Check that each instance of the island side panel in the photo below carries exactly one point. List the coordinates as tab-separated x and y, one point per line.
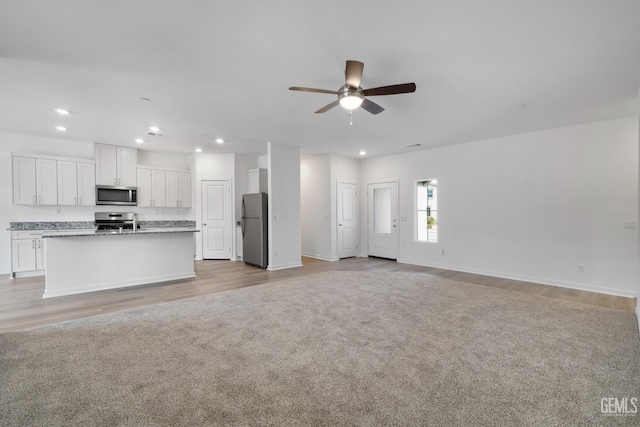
91	263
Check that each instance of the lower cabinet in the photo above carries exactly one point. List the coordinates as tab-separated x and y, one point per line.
27	252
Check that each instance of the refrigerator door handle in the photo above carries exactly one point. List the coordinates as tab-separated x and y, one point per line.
242	225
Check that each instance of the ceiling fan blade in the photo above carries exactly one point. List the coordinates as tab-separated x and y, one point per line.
390	90
353	73
328	107
371	107
310	89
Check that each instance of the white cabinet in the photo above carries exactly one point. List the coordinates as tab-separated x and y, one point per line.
185	189
24	181
151	187
34	181
27	251
178	189
67	183
76	183
116	165
258	181
86	184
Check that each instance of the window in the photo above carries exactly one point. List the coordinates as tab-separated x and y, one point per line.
427	210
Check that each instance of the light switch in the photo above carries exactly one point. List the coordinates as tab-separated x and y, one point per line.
630	225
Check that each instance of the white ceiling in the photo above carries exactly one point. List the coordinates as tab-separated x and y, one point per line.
223	68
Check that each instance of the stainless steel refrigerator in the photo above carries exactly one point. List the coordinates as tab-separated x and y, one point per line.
254	229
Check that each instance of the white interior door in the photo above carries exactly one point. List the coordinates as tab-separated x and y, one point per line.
347	220
382	200
216	220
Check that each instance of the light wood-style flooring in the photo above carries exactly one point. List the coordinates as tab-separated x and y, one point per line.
22	306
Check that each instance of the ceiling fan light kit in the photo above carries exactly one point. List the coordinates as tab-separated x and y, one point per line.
350	99
352	96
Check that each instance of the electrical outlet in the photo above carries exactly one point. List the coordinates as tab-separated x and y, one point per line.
630	225
275	253
580	269
59	211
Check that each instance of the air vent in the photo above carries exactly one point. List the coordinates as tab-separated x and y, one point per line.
155	134
413	145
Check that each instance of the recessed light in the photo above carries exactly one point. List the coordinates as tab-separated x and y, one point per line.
220	140
154	129
198	150
362	153
61	128
139	140
62	111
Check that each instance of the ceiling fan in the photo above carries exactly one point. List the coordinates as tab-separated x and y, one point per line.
352	96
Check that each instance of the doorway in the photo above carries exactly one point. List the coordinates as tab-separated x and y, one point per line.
382	201
216	220
347	220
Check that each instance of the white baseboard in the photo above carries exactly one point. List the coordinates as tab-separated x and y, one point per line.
5	276
284	266
320	257
29	273
524	278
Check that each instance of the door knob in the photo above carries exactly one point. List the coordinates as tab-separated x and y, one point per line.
204	224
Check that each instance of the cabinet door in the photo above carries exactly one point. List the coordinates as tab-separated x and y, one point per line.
185	189
86	184
67	183
173	189
40	254
24	181
23	254
253	184
127	164
47	182
105	157
145	194
158	187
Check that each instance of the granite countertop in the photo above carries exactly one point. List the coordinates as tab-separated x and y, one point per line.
95	233
84	225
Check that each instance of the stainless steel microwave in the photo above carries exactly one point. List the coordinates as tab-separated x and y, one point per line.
111	195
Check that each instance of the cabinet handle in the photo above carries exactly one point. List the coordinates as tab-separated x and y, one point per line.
40	199
80	200
39	244
33	244
76	198
34	199
119	181
115	182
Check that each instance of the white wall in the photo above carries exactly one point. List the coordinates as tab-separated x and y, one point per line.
315	208
530	207
211	167
319	177
284	206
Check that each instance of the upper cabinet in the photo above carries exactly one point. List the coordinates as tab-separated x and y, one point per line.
51	181
76	183
151	187
257	181
34	181
116	165
178	189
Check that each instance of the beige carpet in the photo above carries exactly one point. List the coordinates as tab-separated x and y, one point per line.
339	348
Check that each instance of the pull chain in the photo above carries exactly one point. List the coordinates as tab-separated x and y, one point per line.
350	117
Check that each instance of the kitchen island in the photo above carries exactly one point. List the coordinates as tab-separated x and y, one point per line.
87	261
